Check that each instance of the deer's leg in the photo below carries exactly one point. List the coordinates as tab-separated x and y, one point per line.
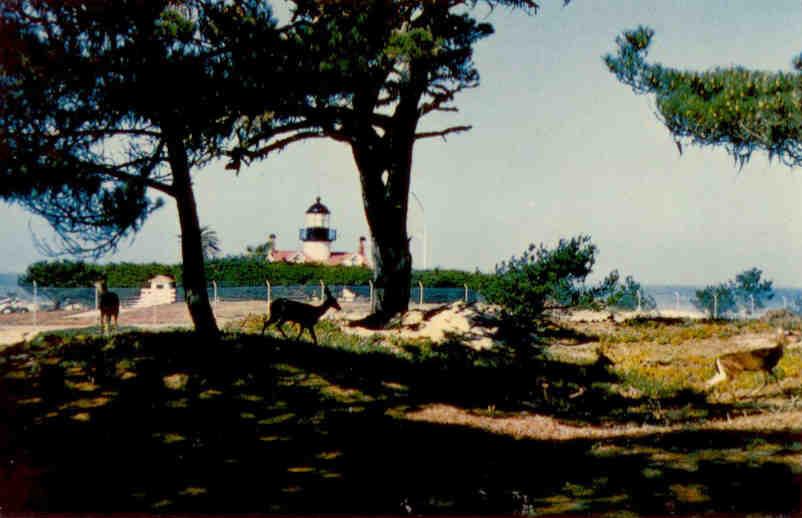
764	378
312	332
281	329
300	332
265	323
721	375
115	323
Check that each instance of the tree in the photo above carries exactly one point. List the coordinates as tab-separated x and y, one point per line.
104	101
623	295
750	291
380	67
746	290
735	108
522	286
716	301
210	243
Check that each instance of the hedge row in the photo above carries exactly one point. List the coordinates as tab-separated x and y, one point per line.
227	271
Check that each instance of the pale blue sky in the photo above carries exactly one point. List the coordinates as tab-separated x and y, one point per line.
558	148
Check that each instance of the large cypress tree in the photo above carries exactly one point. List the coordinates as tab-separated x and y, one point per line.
379	67
102	102
738	109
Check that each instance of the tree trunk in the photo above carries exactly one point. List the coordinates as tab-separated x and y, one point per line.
194	275
385	168
392	273
385	176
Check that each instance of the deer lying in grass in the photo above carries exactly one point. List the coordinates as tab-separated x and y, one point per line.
305	315
109	305
763	360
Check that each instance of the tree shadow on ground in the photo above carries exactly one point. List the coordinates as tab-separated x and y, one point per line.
162	423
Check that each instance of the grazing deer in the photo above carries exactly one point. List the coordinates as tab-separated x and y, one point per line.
305	315
109	304
758	360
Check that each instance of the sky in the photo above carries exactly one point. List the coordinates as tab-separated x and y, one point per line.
558	148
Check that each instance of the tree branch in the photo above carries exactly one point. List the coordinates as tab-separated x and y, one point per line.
442	133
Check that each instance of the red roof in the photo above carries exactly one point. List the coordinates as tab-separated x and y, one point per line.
335	259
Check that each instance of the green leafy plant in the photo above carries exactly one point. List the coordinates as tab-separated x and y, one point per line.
523	285
623	295
750	290
715	301
745	291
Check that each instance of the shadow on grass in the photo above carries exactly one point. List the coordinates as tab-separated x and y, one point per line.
161	422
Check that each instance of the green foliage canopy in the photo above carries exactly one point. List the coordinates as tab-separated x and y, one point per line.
623	295
101	101
738	109
230	271
747	288
715	301
523	285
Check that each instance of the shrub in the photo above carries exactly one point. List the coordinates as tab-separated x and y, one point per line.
749	287
623	295
746	289
523	285
716	301
230	271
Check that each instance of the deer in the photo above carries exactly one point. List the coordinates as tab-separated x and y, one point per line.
109	304
728	366
305	315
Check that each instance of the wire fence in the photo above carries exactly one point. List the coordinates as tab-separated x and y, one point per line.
670	300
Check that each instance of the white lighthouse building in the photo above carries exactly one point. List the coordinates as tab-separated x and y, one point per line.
316	238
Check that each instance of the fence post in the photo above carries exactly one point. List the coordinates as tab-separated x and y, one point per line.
715	305
639	300
466	293
35	304
420	287
268	294
676	293
214	285
370	283
752	300
97	308
785	302
322	290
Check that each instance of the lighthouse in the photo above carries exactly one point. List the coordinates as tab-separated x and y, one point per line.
317	235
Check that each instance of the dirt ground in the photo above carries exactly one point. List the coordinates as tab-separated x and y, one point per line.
18	326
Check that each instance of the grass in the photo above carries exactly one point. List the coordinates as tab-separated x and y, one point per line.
163	422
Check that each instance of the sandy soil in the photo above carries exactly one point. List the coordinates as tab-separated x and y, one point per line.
16	327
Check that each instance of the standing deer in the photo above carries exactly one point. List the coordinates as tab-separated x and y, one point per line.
305	315
728	366
109	304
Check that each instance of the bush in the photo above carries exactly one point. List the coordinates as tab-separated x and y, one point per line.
716	301
448	278
523	285
615	294
749	287
746	289
230	271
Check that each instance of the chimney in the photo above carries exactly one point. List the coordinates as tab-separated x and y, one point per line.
361	249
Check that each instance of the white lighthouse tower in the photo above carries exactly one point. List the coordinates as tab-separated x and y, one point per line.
317	236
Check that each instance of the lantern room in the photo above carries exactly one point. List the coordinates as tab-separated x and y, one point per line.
317	236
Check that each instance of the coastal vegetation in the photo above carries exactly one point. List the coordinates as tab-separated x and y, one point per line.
269	425
230	271
524	287
748	292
